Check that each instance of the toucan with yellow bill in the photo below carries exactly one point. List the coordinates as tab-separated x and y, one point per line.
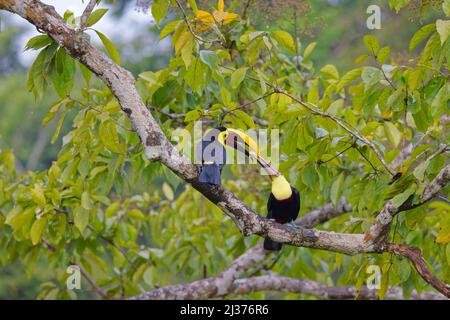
283	205
212	152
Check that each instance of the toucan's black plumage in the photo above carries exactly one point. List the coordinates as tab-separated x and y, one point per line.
282	211
213	157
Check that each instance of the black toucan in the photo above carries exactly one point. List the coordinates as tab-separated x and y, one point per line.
212	152
283	206
213	156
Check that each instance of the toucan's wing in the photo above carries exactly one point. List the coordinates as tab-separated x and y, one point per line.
296	196
270	204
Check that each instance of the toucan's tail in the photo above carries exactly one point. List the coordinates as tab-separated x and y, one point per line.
210	173
271	245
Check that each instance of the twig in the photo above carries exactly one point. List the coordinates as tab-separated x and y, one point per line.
243	106
247	6
86	13
367	159
91	281
336	156
121	250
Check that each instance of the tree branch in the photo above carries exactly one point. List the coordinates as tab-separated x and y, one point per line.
379	230
86	13
419	263
91	281
315	289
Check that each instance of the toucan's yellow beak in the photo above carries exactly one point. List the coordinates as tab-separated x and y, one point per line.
244	143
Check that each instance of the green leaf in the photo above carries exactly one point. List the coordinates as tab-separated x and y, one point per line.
159	9
383	54
310	176
164	95
309	49
398	4
330	71
245	118
193	6
209	58
285	39
444	234
38	42
399	199
446	9
169	28
336	189
37	229
186	51
192	115
392	133
53	111
371	76
421	35
39	72
384	283
95	16
37	194
447	253
65	73
112	209
86	200
109	137
443	28
371	43
237	77
361	58
85	72
59	126
348	78
136	213
195	75
439	104
419	171
167	190
81	218
110	47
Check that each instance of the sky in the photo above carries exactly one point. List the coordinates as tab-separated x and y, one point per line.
125	27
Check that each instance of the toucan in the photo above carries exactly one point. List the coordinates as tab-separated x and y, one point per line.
212	152
283	205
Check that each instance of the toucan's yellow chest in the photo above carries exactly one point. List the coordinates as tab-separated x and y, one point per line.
281	189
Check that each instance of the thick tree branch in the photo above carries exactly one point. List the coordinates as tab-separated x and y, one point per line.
419	263
315	289
379	231
282	284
